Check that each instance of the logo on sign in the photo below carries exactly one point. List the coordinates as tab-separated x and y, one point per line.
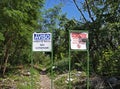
41	37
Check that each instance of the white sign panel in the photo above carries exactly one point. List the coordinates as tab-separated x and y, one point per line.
78	40
42	41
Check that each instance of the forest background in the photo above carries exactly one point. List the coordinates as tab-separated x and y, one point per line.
20	18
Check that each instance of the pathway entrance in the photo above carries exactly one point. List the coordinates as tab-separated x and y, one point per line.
45	82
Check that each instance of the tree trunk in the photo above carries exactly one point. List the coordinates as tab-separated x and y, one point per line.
5	63
6	55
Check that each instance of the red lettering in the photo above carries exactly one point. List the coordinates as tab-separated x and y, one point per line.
79	35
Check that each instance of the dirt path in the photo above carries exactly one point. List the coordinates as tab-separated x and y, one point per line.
45	82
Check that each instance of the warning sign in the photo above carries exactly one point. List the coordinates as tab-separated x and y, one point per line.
78	40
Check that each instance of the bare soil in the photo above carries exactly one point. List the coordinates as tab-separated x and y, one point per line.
45	82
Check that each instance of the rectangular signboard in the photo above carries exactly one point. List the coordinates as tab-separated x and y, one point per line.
78	40
42	42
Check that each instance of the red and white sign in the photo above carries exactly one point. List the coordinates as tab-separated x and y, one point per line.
78	40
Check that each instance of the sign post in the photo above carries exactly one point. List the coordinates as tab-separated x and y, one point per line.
88	84
78	40
43	42
69	62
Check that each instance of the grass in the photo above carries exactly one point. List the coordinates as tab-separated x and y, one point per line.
18	80
63	81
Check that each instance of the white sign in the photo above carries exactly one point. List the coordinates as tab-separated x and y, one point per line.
42	42
78	40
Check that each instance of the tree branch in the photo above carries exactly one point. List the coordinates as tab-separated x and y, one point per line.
80	10
88	9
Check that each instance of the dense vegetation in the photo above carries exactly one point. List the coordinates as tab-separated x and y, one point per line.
20	18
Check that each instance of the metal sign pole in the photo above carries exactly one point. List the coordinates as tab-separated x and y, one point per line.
88	64
32	80
69	63
31	69
52	63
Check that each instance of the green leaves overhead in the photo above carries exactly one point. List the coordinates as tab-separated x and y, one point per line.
18	20
15	15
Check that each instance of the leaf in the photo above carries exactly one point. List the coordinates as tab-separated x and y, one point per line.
1	37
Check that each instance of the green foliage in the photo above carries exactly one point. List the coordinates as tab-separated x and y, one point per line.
23	86
1	36
61	66
79	60
60	25
42	60
18	79
61	83
18	20
103	35
110	65
54	21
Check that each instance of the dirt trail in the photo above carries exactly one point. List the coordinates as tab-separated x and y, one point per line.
45	82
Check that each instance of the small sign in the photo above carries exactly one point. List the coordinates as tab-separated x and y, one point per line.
42	42
79	40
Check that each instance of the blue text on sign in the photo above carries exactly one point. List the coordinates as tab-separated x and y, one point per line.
41	37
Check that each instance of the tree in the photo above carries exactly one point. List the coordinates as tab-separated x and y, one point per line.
57	23
18	19
103	24
104	28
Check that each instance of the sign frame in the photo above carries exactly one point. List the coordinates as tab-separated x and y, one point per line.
41	43
79	31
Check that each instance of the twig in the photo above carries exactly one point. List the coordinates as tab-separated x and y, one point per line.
80	10
88	9
110	85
